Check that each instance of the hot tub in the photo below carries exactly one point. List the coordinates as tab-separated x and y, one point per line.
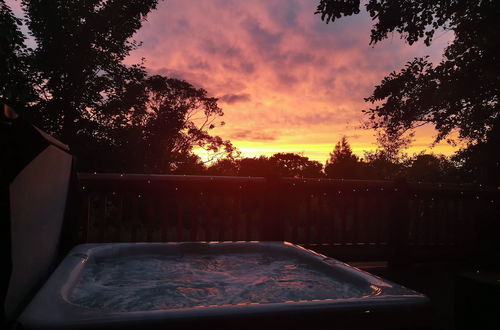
233	285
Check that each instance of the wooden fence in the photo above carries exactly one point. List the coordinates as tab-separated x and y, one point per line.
348	219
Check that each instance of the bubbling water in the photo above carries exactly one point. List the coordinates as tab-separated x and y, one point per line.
153	282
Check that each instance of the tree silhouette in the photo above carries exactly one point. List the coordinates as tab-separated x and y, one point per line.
388	160
342	164
431	168
15	82
480	162
258	166
78	62
224	166
294	165
278	165
458	94
175	118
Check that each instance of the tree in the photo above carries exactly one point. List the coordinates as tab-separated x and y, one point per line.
294	165
431	168
175	118
257	166
278	165
159	133
15	84
78	62
342	164
186	163
378	165
480	162
388	160
458	94
224	166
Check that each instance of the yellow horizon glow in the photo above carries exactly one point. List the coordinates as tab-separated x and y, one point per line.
320	151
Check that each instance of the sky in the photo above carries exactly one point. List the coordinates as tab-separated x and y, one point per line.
287	82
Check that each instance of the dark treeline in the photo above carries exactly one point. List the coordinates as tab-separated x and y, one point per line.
343	164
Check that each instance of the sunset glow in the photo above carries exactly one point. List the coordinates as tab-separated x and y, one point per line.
287	81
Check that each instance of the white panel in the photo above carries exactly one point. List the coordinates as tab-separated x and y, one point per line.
37	201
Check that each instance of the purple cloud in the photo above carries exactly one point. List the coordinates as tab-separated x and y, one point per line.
235	98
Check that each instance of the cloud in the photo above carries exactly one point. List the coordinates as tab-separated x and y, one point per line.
235	98
251	135
259	35
330	118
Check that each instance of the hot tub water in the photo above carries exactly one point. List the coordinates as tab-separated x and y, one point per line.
139	283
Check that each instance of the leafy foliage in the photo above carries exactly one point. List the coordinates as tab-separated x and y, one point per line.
431	168
343	163
14	74
78	61
294	165
175	118
278	165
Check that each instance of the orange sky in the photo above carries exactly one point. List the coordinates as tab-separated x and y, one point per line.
287	82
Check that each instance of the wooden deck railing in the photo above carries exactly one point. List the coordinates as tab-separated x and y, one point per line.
350	219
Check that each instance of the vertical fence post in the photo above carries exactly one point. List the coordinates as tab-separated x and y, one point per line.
273	229
399	225
84	216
